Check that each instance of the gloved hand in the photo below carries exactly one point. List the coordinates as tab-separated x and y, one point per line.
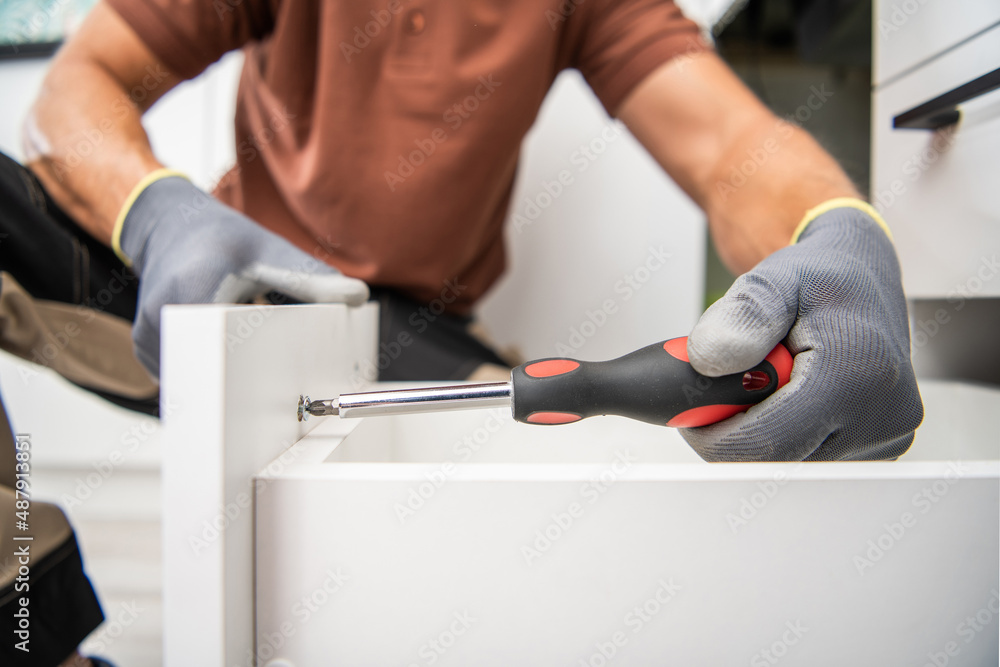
835	296
187	247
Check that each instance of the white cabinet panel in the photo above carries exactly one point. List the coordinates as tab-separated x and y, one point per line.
467	539
230	376
908	32
938	190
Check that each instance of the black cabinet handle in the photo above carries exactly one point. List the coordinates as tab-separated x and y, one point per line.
943	110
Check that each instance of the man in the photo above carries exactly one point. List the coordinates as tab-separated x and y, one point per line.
347	176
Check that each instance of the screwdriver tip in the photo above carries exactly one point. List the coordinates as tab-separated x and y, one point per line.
323	408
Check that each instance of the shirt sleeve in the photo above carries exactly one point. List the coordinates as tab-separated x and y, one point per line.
189	35
624	41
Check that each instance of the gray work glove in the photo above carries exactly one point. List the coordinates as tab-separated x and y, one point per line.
836	299
187	247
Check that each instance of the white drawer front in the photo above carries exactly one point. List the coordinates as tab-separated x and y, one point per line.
907	32
557	546
940	191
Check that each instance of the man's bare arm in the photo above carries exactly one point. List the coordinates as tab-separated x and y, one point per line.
703	126
84	138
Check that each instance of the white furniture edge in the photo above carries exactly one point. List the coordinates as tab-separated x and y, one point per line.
230	376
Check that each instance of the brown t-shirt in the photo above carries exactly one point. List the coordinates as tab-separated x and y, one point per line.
382	136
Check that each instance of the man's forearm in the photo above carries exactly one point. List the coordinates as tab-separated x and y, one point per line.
84	137
88	156
762	187
753	174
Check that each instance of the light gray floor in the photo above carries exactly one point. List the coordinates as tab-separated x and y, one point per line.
123	561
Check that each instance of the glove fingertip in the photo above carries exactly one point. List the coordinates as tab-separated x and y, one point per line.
720	350
340	289
326	287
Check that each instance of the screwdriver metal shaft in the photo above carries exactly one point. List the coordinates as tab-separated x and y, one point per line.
409	401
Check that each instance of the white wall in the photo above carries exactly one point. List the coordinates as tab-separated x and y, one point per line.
578	254
20	81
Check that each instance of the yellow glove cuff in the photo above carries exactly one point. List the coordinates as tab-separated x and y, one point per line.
840	202
147	180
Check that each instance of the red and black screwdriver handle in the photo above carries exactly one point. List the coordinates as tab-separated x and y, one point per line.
654	384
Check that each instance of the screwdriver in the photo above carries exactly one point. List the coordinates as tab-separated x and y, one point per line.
654	384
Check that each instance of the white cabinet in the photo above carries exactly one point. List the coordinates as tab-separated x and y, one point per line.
909	33
229	379
466	539
938	190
